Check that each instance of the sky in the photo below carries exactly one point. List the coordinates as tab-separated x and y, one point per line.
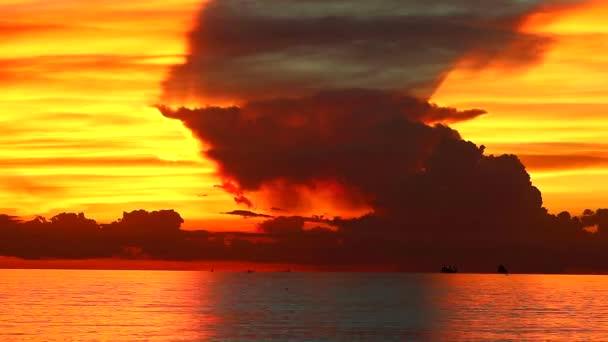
82	136
79	81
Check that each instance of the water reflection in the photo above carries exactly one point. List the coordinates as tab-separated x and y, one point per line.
313	306
516	307
49	305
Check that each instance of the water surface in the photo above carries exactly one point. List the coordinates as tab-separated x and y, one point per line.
56	305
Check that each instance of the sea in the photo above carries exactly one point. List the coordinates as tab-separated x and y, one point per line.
99	305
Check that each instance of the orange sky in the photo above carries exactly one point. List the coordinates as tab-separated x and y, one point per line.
77	79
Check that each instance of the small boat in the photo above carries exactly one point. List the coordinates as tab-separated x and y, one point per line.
502	269
250	271
449	269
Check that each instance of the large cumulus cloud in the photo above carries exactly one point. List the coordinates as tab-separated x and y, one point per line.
336	91
426	186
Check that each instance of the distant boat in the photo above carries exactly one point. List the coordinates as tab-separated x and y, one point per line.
449	269
502	269
250	271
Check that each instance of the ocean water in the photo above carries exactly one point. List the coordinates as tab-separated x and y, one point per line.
69	305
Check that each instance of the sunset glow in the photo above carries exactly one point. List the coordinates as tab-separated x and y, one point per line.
298	170
77	82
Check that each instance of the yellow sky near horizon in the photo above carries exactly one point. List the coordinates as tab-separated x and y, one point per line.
78	78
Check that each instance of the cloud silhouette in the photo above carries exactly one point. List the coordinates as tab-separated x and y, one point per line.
435	197
542	243
246	214
283	225
357	138
155	222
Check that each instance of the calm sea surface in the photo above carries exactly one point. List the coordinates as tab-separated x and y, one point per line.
52	305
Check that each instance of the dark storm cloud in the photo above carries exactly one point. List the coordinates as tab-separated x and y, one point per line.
426	186
358	138
246	50
324	84
435	197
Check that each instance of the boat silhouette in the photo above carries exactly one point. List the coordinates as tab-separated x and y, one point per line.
502	269
449	269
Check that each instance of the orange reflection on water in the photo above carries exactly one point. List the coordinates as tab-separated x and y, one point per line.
53	305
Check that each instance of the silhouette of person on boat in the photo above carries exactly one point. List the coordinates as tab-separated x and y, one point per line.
502	269
449	269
